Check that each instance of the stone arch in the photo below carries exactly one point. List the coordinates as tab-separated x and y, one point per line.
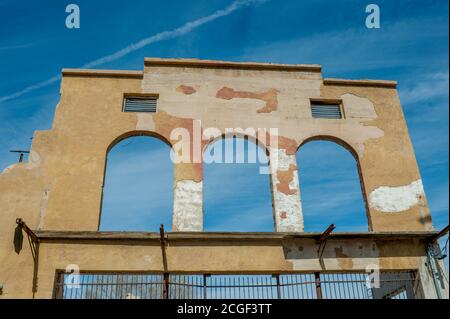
348	147
121	138
136	133
223	136
333	139
264	220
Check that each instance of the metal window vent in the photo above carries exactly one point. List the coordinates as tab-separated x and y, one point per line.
140	104
326	111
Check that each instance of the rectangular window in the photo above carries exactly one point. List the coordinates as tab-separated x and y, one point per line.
140	104
326	110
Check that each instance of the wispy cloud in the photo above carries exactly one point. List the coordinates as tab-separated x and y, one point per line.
433	86
164	35
254	218
138	186
17	46
16	131
30	88
357	49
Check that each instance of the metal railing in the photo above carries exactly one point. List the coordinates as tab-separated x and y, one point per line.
111	285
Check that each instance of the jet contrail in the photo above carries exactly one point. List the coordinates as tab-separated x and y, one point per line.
164	35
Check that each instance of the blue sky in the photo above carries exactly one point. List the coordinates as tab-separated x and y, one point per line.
411	47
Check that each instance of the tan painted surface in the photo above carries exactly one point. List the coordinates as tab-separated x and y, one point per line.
213	256
60	188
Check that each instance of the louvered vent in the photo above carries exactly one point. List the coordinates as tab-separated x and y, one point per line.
326	111
140	104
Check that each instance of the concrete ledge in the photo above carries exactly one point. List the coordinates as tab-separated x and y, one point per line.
196	63
366	83
225	236
103	73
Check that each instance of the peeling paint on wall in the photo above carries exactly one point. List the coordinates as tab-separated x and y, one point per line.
286	200
396	199
358	107
33	160
285	178
344	260
345	255
270	97
185	89
145	122
288	144
288	213
188	206
71	162
43	208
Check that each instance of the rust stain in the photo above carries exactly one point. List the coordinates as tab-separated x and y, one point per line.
270	97
344	261
285	177
186	89
288	144
164	124
283	215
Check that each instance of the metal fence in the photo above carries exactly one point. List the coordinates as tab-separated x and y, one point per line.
110	285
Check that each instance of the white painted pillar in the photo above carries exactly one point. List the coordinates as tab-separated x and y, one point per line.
188	206
287	208
188	198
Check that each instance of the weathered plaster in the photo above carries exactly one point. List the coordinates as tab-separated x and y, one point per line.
396	199
337	256
145	122
287	208
358	107
269	97
70	160
427	288
284	180
188	206
186	89
43	208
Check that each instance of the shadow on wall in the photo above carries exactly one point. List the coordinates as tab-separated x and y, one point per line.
138	189
330	188
18	239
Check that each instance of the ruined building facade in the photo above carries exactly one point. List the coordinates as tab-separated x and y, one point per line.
58	192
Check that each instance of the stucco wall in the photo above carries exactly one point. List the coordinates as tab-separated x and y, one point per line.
213	256
60	187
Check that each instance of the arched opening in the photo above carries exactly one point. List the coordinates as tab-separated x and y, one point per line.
236	187
138	185
331	187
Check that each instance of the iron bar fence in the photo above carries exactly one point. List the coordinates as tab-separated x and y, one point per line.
113	285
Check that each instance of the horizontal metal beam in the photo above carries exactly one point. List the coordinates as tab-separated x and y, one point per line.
21	223
440	234
182	236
